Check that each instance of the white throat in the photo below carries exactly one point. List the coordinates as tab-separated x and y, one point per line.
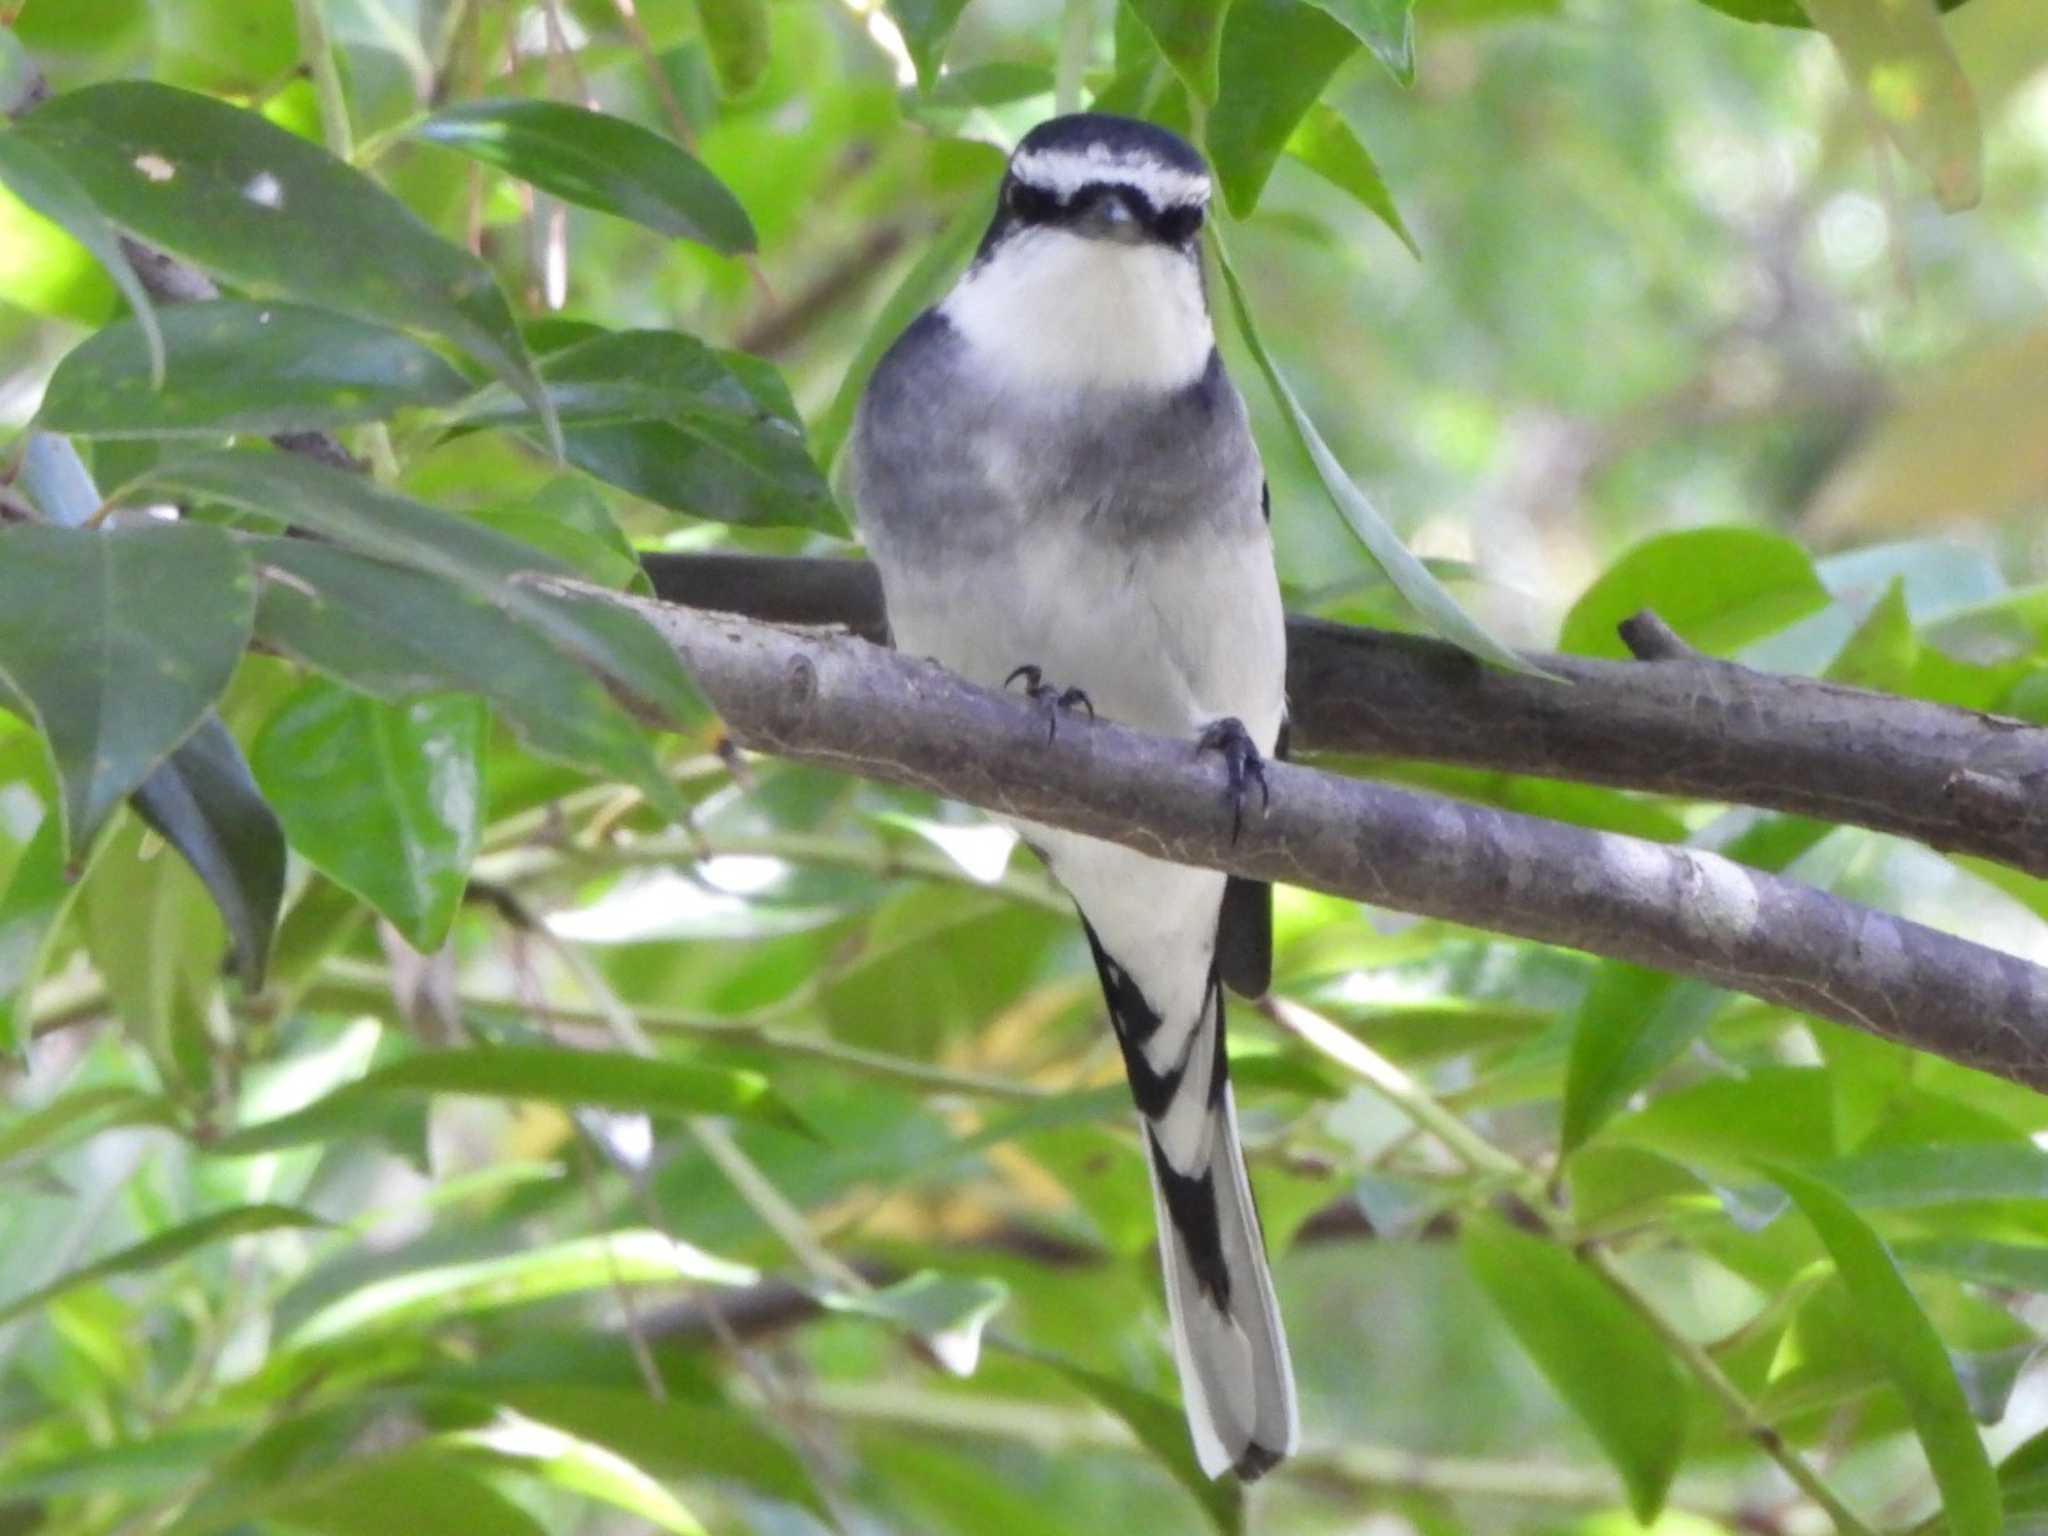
1055	308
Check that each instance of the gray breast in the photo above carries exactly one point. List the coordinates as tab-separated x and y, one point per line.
946	460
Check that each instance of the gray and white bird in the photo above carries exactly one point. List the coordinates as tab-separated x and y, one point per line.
1057	480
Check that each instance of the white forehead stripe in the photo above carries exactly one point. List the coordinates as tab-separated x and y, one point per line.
1064	172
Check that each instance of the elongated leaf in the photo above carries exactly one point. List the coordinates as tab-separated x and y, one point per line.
574	1465
422	1298
1601	1358
1387	27
676	1439
204	803
1899	1335
157	943
265	210
1190	34
1898	57
547	1074
1410	577
396	633
598	161
427	1483
1161	1427
34	901
118	642
921	286
1900	1177
2014	1266
948	1312
236	366
155	1252
927	29
74	1116
386	800
662	415
1324	143
40	181
1277	57
736	36
613	643
1720	588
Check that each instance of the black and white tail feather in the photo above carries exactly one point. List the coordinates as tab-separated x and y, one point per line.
1236	1378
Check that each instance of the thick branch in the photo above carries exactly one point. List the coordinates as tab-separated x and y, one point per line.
1679	725
841	702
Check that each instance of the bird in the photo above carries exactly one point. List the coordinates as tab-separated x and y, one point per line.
1057	481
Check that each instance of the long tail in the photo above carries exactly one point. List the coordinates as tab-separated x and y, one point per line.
1236	1379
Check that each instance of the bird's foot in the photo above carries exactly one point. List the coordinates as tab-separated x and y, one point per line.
1243	765
1049	697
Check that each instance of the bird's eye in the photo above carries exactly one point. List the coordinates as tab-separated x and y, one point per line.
1030	203
1181	224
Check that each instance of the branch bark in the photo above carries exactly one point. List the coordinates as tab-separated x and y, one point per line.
839	701
1679	724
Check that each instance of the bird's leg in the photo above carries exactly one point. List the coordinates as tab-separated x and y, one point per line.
1243	766
1049	697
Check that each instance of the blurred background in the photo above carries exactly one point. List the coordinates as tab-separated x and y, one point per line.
1671	323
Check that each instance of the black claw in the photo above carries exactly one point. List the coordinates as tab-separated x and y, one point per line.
1049	697
1243	766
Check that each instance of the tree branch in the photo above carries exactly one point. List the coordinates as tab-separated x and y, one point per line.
838	701
1681	724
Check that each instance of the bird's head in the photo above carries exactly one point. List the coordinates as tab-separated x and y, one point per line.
1090	275
1100	177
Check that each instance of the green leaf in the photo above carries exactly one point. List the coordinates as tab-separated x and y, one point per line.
385	800
676	1440
1899	59
157	944
422	1298
2011	1266
424	1487
948	1312
157	1251
1162	1428
571	519
921	286
396	633
1940	1174
1720	588
546	1074
118	642
1324	143
562	1460
1602	1359
1410	577
1277	57
598	161
35	900
1387	27
1190	34
235	366
1898	1333
709	433
75	1116
611	641
927	29
267	211
737	38
204	803
41	182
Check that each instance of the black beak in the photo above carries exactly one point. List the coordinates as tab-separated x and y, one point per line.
1109	217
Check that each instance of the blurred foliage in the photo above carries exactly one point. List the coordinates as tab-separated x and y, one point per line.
1608	302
